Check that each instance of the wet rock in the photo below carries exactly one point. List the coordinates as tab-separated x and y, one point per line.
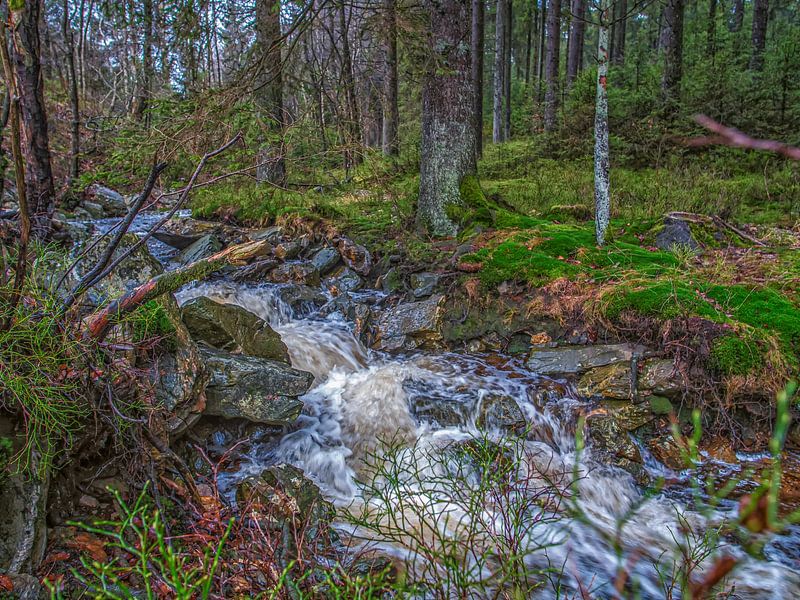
111	202
661	377
346	281
271	234
206	246
411	325
302	299
290	501
256	389
355	256
629	417
229	326
326	260
296	272
24	587
503	413
424	284
256	272
94	210
667	451
288	250
578	359
442	413
675	233
610	381
608	435
176	240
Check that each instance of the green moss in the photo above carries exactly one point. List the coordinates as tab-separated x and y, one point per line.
151	321
733	355
662	299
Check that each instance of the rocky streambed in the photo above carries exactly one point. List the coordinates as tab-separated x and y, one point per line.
361	391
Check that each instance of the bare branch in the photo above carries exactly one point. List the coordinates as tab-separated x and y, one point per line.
728	136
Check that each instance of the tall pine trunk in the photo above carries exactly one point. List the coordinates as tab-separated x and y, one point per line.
620	25
478	18
74	101
760	16
268	84
551	64
602	200
577	31
391	114
671	43
507	76
499	88
448	126
738	16
352	155
25	50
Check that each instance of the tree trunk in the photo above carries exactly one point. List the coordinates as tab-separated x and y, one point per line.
551	64
507	76
352	156
620	24
478	17
577	31
738	16
25	48
146	80
711	30
268	93
499	71
602	202
448	126
672	45
391	114
528	36
75	124
760	16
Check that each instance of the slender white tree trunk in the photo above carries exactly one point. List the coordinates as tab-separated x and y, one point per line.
602	201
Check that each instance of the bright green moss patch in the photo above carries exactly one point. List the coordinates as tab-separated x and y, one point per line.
151	321
734	355
662	299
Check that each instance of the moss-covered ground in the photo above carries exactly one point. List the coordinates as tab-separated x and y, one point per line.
528	219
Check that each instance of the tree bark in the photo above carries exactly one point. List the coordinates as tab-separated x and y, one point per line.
620	25
542	44
551	64
352	156
507	77
711	30
268	84
146	80
478	18
391	115
75	124
25	50
448	125
577	31
602	200
498	116
528	37
738	16
760	16
672	45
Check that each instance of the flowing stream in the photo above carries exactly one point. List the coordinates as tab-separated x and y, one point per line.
430	406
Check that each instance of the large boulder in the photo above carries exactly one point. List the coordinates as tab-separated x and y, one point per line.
411	325
111	202
256	389
564	360
676	233
231	327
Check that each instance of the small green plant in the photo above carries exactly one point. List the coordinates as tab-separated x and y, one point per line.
151	322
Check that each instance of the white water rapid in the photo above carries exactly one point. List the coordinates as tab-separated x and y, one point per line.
429	406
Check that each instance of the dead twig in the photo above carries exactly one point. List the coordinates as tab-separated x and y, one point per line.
728	136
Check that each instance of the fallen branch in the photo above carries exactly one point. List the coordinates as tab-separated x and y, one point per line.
728	136
100	323
738	231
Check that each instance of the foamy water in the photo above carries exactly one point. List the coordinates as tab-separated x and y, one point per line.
361	400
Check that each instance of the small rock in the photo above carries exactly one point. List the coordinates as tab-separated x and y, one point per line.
354	255
302	299
111	201
503	413
256	272
661	377
203	248
675	233
271	234
228	326
256	389
288	250
176	240
424	284
296	272
578	359
326	260
23	587
347	281
89	502
411	325
667	451
609	381
392	281
94	210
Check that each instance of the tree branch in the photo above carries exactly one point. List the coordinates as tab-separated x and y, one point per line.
728	136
